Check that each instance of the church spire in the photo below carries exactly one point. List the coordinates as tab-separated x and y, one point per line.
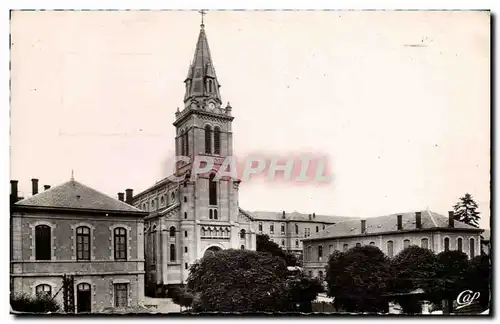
201	81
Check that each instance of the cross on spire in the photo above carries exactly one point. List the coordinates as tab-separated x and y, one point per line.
202	13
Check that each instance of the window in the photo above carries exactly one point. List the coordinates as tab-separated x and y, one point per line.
172	231
323	226
424	243
317	229
472	248
358	244
282	242
271	228
242	247
296	243
320	253
172	196
183	145
185	234
153	242
446	244
215	214
185	249
172	252
459	244
210	214
208	140
390	248
345	247
296	229
43	290
330	249
309	253
260	227
121	295
185	199
212	190
186	144
372	243
242	234
406	244
42	242
217	140
282	228
162	201
320	275
83	243
185	215
186	266
152	205
120	240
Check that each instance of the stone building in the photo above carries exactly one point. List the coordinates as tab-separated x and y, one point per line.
194	215
72	229
391	234
289	229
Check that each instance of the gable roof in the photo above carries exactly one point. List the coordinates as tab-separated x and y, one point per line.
388	223
297	217
74	195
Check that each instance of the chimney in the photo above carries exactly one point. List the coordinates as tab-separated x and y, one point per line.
13	191
451	219
418	220
363	226
309	216
283	215
46	187
400	222
120	196
128	196
34	186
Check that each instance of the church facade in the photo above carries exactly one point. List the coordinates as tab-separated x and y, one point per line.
197	214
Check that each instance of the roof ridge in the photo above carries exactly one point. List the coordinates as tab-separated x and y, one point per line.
102	193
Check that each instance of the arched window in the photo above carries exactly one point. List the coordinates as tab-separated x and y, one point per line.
212	190
183	145
83	243
172	252
296	229
446	244
217	140
390	248
282	242
282	228
296	243
185	199
120	243
345	247
242	247
320	253
43	290
215	214
152	205
317	229
472	248
242	233
372	243
186	143
271	228
210	214
459	244
162	201
424	243
260	227
208	139
406	244
42	242
172	231
323	226
185	215
358	244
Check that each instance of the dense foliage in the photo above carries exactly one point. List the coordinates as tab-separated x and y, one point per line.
28	304
358	279
239	281
302	291
264	244
466	210
479	278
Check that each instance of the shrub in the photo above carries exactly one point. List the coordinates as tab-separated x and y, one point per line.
29	304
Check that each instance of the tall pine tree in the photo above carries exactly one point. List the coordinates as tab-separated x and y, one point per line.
465	210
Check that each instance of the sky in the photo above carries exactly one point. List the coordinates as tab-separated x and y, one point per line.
399	102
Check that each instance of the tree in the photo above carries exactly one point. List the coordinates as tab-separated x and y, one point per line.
479	278
359	278
264	244
29	304
302	291
450	280
413	268
182	297
239	281
465	210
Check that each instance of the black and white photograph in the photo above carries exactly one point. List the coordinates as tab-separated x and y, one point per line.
279	162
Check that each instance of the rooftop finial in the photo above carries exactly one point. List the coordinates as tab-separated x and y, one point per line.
72	174
202	13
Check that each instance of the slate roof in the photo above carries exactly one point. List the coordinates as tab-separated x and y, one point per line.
74	195
295	216
388	223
